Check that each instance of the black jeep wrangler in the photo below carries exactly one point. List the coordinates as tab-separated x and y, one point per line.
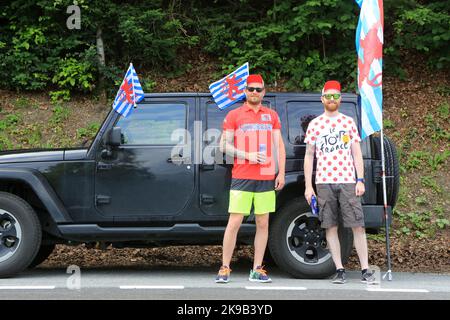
157	178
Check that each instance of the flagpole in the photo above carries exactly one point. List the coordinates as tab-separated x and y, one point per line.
132	84
385	208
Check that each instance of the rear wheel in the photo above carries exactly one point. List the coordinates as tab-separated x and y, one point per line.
298	244
20	234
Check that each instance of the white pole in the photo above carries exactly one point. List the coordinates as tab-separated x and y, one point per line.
386	216
132	83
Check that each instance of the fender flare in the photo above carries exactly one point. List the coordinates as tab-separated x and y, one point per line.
44	191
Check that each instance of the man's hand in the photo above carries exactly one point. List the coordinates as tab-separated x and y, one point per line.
309	192
360	189
279	182
257	157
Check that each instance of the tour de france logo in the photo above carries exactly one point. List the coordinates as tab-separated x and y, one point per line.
334	141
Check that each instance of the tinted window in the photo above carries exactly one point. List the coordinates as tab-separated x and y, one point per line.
153	124
300	113
215	116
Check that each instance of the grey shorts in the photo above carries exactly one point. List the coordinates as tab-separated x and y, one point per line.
339	198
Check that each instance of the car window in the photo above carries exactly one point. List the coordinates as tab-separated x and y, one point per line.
300	114
215	116
153	124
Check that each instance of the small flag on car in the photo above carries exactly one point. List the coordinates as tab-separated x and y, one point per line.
129	94
230	89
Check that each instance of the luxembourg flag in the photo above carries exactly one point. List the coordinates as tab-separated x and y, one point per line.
129	94
230	89
369	48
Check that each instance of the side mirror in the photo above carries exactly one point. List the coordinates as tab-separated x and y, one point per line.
113	137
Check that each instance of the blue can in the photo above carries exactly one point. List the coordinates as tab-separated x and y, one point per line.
314	207
262	147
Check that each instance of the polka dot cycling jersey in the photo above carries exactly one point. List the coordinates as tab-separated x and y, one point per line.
332	138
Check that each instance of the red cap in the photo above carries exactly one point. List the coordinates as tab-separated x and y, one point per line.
255	78
332	85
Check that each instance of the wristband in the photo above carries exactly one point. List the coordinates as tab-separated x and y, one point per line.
360	180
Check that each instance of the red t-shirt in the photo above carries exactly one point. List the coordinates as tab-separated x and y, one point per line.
252	133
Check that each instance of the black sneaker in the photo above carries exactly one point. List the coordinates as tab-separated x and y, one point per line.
339	278
368	278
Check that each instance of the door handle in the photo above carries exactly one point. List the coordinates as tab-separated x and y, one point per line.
180	160
207	167
104	166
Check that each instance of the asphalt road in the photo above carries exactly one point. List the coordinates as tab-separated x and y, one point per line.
198	284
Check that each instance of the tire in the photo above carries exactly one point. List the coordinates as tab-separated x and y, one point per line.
20	237
392	171
44	252
308	261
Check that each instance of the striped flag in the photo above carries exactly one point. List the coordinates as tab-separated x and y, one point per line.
230	89
129	94
369	48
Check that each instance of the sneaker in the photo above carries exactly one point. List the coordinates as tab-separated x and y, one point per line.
368	278
224	275
259	275
339	278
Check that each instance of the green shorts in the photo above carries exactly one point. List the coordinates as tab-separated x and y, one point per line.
244	193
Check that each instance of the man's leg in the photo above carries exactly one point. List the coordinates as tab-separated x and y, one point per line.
360	241
328	216
334	245
262	234
229	238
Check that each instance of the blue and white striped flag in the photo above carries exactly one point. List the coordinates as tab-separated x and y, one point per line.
129	94
230	89
369	48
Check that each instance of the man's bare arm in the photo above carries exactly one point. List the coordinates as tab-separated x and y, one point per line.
358	159
227	145
308	165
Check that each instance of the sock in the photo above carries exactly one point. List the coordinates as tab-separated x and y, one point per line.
340	270
363	271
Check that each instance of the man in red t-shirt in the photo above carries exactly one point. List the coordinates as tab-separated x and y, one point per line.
249	133
334	138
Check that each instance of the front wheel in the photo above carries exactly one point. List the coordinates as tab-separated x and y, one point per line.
20	234
298	244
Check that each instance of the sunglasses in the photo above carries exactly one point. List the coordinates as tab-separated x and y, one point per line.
334	95
251	89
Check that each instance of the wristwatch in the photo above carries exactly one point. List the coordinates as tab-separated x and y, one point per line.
360	180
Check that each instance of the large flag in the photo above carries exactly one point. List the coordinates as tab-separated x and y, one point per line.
230	89
369	47
129	94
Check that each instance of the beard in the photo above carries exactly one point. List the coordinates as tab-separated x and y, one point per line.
254	100
331	107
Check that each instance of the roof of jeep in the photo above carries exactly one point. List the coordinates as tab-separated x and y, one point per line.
269	94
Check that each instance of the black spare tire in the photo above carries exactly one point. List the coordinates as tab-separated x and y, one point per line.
392	171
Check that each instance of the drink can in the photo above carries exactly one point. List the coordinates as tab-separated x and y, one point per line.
314	207
262	147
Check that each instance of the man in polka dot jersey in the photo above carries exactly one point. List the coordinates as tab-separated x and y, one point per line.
333	137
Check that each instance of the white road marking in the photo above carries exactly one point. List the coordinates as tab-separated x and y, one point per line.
397	290
27	287
275	288
151	287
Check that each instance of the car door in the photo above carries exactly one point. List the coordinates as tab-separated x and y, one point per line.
215	171
142	179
